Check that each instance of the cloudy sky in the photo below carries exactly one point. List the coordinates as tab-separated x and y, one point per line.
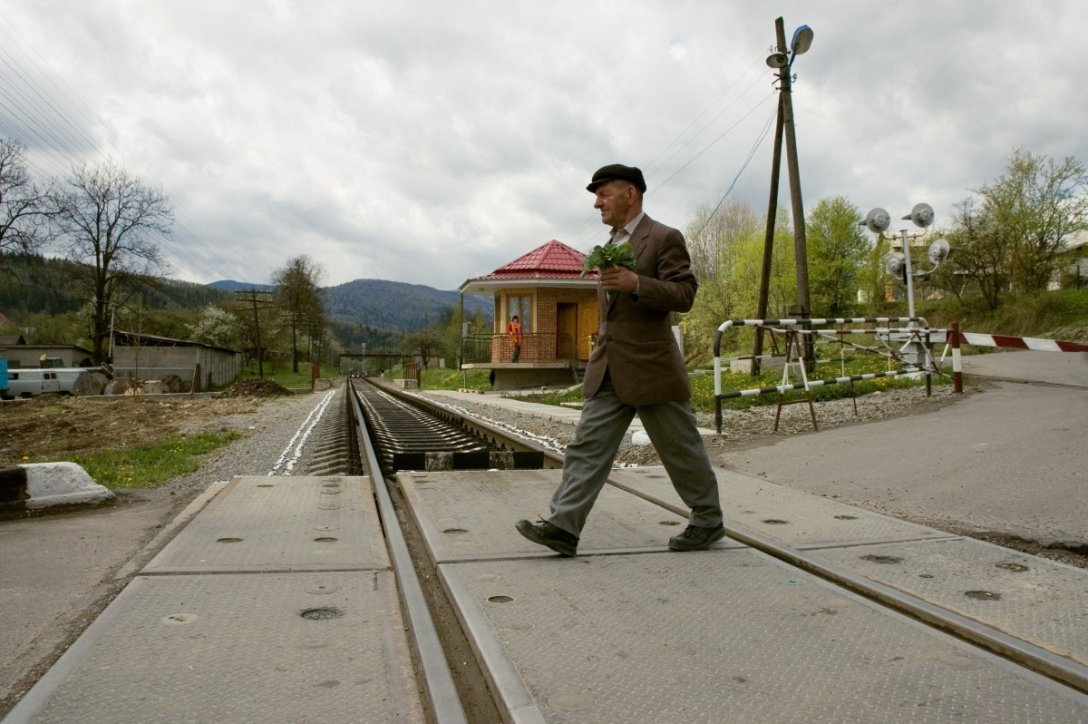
430	142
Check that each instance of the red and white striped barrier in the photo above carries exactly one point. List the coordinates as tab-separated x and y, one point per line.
956	338
998	340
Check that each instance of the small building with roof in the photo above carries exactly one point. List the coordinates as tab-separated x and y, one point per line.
20	354
149	356
559	316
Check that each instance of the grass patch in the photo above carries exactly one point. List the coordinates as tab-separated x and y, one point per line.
440	378
702	385
149	466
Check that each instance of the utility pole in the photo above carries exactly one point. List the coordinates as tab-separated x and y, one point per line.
783	59
259	300
768	243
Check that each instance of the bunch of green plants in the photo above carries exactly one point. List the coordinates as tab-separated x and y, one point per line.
604	256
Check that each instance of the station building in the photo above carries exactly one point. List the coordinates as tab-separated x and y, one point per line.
559	316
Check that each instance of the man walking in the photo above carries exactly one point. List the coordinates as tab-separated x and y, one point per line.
635	367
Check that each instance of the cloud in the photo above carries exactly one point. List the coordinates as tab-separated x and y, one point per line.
430	142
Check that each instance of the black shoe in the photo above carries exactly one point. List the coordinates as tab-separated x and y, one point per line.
696	538
546	534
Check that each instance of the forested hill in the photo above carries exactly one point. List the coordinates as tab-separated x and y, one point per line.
396	305
32	284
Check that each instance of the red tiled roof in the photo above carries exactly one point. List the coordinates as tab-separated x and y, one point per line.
553	260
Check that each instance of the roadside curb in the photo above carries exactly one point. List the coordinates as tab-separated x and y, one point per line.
42	485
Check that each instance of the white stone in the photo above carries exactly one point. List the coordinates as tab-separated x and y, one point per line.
49	484
640	438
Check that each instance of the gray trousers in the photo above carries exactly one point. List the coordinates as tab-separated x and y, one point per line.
601	427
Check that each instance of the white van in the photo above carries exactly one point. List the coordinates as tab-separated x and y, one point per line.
24	382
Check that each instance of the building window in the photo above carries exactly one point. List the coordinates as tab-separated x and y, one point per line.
522	306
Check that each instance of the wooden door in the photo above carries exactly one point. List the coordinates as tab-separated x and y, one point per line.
566	331
589	319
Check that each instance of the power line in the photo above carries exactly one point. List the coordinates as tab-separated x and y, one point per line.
704	149
751	155
652	165
36	111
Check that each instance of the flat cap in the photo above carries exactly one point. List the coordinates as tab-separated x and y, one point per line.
618	172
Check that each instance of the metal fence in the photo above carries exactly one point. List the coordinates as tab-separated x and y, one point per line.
499	348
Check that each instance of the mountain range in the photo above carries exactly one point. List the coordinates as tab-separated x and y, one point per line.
383	304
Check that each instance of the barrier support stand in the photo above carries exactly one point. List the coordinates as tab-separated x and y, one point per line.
957	362
794	357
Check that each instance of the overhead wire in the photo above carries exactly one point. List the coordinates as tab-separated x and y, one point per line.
676	141
751	154
653	165
41	111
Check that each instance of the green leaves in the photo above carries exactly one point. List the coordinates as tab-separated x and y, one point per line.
608	255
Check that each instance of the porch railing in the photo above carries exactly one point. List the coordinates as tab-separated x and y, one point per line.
535	347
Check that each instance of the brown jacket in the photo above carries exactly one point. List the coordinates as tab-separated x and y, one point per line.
634	341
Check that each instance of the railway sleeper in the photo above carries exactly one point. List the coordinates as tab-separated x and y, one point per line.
436	461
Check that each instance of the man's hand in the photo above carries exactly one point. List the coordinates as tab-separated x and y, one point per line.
619	279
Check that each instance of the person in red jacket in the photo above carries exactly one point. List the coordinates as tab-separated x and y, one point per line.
514	330
635	367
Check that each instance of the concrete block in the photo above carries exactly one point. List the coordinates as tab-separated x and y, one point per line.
49	484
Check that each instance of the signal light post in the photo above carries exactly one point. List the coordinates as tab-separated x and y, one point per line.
898	264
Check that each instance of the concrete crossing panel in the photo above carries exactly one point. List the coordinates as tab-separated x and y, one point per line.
722	635
793	517
281	524
279	647
1030	598
471	515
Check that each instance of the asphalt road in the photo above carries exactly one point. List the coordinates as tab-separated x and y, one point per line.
1009	458
56	573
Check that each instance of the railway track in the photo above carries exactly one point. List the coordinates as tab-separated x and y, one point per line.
395	431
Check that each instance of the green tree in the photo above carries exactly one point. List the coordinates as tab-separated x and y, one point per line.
981	250
711	232
732	290
872	278
426	342
837	254
1037	203
1010	239
106	219
215	326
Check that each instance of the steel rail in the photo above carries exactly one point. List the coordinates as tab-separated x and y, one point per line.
441	692
1023	653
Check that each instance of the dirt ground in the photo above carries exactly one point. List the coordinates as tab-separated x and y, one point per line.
53	428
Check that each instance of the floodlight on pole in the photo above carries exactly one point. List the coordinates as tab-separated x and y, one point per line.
898	264
802	41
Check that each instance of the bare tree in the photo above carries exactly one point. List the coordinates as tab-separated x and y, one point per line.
299	296
107	218
22	204
712	231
